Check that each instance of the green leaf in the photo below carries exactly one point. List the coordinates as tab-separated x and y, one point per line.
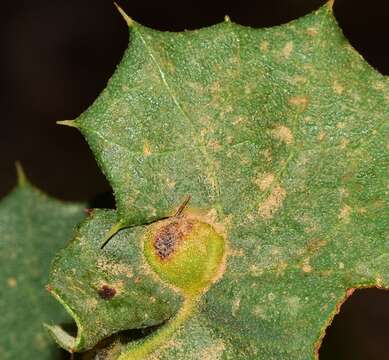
107	290
280	137
33	228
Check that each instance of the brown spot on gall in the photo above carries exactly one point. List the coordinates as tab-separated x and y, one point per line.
169	236
106	292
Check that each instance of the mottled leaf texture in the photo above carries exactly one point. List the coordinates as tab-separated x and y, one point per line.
280	137
33	227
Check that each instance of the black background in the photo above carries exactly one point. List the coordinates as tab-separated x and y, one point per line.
57	55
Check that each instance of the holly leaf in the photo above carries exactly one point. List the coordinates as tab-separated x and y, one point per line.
279	137
33	228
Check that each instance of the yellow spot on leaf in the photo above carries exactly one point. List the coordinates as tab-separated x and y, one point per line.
12	282
146	149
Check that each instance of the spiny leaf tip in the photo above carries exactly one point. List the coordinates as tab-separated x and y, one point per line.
71	123
127	19
21	176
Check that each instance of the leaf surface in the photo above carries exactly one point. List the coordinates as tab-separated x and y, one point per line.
280	136
33	228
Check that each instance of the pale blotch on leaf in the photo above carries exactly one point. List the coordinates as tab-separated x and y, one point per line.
293	304
283	134
306	267
344	214
343	143
312	31
114	268
265	181
288	49
12	282
235	307
321	136
264	46
213	352
338	88
299	101
259	312
298	79
272	203
146	149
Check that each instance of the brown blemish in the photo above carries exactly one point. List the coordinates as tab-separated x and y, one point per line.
272	203
169	237
106	292
283	133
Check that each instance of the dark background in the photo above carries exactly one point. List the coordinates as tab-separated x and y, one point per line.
57	55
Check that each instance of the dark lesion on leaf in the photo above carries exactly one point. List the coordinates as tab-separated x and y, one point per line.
106	292
169	236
